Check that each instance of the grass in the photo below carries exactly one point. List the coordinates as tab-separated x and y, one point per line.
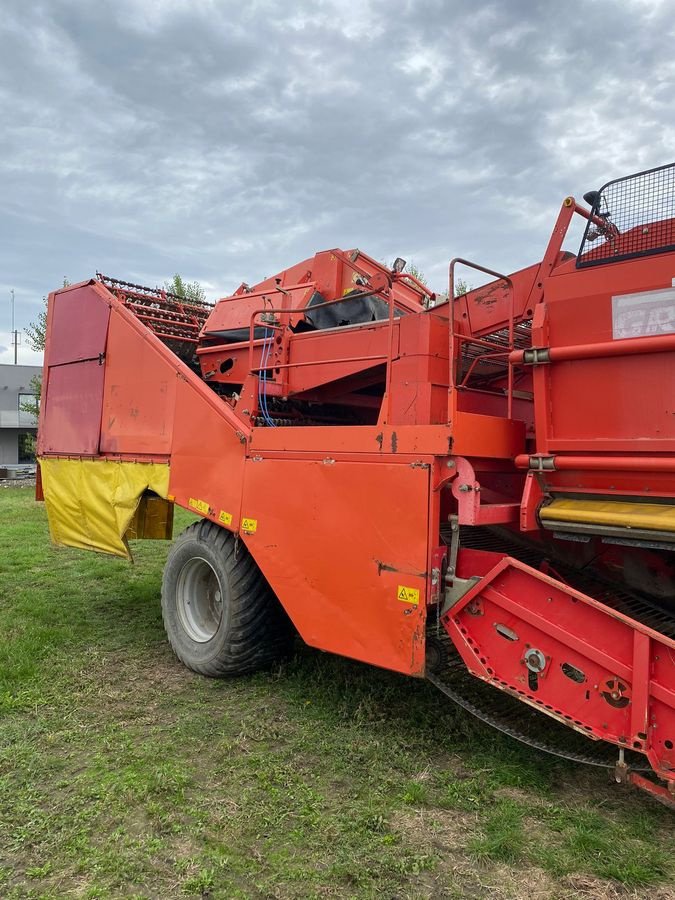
124	775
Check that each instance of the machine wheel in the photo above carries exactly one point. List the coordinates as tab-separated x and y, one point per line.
220	615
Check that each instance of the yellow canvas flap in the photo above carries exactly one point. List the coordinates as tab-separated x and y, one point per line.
90	503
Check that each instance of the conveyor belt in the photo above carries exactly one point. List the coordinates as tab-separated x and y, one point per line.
519	720
631	604
657	517
509	715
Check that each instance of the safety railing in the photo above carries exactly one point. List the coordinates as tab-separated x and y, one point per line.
285	313
493	349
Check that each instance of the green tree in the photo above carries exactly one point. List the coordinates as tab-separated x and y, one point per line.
461	287
188	290
36	331
33	406
413	269
36	334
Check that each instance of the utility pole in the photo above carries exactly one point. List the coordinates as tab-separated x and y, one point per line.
15	337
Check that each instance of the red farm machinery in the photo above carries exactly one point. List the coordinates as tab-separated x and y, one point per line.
479	490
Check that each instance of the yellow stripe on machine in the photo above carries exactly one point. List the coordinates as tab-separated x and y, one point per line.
612	513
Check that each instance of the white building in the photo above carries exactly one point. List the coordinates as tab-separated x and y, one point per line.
17	428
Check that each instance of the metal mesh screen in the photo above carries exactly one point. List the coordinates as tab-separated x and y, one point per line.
633	216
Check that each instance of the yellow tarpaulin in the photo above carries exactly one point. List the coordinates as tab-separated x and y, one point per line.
90	503
654	516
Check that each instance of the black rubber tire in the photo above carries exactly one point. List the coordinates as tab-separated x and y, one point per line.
253	631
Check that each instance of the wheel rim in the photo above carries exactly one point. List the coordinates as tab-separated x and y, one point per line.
199	599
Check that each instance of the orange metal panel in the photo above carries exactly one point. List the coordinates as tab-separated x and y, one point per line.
602	393
139	393
487	436
419	381
629	406
345	571
207	459
485	309
320	357
426	439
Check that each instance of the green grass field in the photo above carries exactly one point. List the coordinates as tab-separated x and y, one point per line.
124	775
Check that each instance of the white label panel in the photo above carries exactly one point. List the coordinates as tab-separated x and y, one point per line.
643	315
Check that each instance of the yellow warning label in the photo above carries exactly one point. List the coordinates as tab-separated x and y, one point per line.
408	594
225	517
250	526
200	505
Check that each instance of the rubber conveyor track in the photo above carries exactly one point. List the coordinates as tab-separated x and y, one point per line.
511	716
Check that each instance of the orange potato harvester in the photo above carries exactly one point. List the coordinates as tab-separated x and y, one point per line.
478	489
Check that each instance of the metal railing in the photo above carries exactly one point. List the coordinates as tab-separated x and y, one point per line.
285	313
494	350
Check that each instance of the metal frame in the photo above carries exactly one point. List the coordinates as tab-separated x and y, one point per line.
620	257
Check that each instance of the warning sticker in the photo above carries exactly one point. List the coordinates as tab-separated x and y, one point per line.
408	594
643	315
225	517
200	505
249	526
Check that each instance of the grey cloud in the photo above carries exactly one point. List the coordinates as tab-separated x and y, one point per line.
225	141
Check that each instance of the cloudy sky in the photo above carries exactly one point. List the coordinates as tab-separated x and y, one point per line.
227	140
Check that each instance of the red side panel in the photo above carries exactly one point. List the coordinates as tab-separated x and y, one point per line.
73	371
591	667
207	459
345	546
78	325
618	403
627	404
72	419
